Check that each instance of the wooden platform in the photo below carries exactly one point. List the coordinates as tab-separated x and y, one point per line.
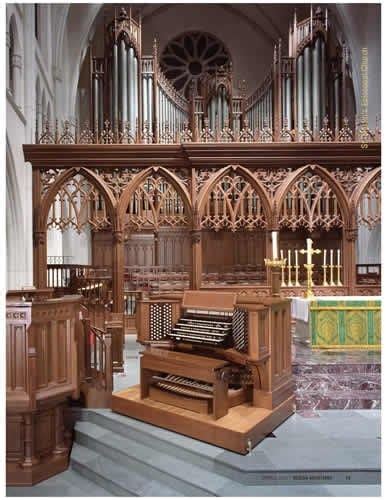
243	423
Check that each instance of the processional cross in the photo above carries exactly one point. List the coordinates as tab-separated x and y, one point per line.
309	251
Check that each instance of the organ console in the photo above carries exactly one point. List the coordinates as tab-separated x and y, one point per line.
213	361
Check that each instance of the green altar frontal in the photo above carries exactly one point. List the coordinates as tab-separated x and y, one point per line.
345	324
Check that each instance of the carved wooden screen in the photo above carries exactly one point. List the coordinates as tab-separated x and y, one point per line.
369	207
156	203
77	205
233	204
310	203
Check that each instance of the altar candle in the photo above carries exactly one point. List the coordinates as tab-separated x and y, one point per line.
324	257
275	250
289	257
281	254
296	259
338	258
331	257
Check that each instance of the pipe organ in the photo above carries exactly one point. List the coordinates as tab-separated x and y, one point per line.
301	89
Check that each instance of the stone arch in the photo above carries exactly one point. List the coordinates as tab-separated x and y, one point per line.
14	222
61	180
337	190
139	178
248	176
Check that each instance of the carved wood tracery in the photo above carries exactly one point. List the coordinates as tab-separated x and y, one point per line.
155	203
369	206
233	204
78	204
310	203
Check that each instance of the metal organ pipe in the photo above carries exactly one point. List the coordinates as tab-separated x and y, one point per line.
150	102
316	85
123	79
337	102
322	78
130	88
299	72
144	99
135	105
100	110
288	97
307	86
115	85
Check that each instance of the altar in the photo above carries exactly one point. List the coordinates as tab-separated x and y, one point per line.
338	322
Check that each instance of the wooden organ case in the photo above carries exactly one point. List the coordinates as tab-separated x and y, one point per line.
216	367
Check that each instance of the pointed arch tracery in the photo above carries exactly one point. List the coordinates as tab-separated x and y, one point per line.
366	200
233	199
78	199
311	199
154	198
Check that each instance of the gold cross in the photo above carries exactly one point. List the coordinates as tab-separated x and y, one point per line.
309	251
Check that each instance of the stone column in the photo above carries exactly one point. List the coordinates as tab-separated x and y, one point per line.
17	78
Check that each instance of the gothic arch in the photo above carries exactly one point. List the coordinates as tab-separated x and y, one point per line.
93	178
14	221
361	188
357	194
139	178
337	190
247	175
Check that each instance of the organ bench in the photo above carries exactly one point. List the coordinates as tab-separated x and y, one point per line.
216	367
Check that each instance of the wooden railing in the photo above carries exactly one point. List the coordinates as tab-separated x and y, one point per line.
66	275
156	278
96	365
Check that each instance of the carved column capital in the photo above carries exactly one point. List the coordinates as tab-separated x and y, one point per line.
118	237
196	236
351	234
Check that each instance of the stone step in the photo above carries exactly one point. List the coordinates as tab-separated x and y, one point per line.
113	477
67	484
268	459
187	478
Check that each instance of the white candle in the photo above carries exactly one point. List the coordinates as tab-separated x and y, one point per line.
275	248
324	257
281	254
331	257
296	258
289	257
338	258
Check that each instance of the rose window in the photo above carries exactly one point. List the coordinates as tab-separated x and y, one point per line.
189	56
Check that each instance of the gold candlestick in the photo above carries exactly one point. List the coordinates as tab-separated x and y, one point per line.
338	282
309	293
332	275
275	265
325	282
283	260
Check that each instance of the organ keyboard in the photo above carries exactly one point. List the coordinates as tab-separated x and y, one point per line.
213	353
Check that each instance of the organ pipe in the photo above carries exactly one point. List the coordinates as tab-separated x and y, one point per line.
300	91
115	84
100	96
144	99
134	80
322	79
150	102
288	102
96	100
123	79
307	85
316	52
337	102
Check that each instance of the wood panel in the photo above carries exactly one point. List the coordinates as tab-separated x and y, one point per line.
42	371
